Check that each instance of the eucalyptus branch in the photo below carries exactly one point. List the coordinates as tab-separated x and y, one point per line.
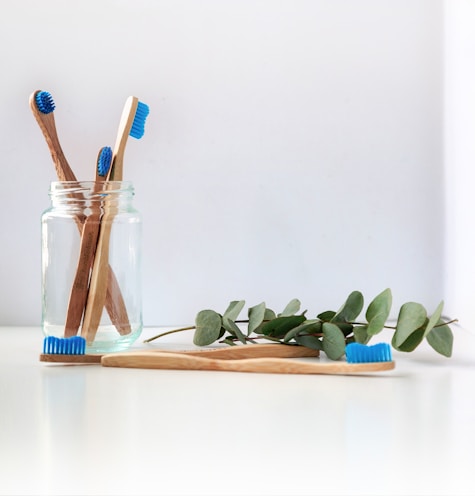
330	331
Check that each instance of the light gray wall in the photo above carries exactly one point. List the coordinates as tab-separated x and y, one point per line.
293	149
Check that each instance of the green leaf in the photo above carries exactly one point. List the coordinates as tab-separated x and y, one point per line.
412	341
333	341
441	339
350	309
361	334
231	326
344	327
308	327
435	318
256	316
208	326
378	312
411	317
280	326
269	314
291	309
326	316
233	310
311	342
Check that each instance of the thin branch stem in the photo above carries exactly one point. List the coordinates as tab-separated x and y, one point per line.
169	332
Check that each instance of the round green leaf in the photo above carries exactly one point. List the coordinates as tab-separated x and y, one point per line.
361	334
378	312
280	326
333	342
231	326
308	327
350	309
411	317
256	316
326	316
234	309
435	318
412	341
311	342
208	326
441	339
291	309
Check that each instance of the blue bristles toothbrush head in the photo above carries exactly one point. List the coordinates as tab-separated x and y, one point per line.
132	123
44	101
138	126
362	353
104	161
75	345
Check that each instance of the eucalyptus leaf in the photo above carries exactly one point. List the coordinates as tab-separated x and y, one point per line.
361	334
291	309
435	319
411	317
441	339
308	327
412	341
256	316
233	310
208	327
333	341
326	316
378	312
309	341
350	309
280	326
269	314
232	327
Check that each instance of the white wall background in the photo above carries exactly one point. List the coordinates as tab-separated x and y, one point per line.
459	125
294	148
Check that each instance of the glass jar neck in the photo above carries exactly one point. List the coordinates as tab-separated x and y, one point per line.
76	193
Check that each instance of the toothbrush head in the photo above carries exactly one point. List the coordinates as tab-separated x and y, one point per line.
75	345
104	161
138	126
362	353
44	102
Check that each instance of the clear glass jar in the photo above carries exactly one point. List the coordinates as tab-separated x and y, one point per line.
91	264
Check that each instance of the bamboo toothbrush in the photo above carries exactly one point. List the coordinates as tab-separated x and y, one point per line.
73	350
177	361
132	123
90	233
371	360
42	106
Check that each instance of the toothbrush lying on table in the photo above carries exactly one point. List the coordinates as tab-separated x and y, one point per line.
131	123
73	350
261	358
42	106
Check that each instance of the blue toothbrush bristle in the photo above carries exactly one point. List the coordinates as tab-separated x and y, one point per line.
104	161
362	353
138	126
44	102
75	345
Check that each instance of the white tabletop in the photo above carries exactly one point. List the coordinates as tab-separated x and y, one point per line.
80	430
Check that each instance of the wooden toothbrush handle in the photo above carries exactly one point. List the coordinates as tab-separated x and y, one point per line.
80	286
169	361
113	299
97	294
